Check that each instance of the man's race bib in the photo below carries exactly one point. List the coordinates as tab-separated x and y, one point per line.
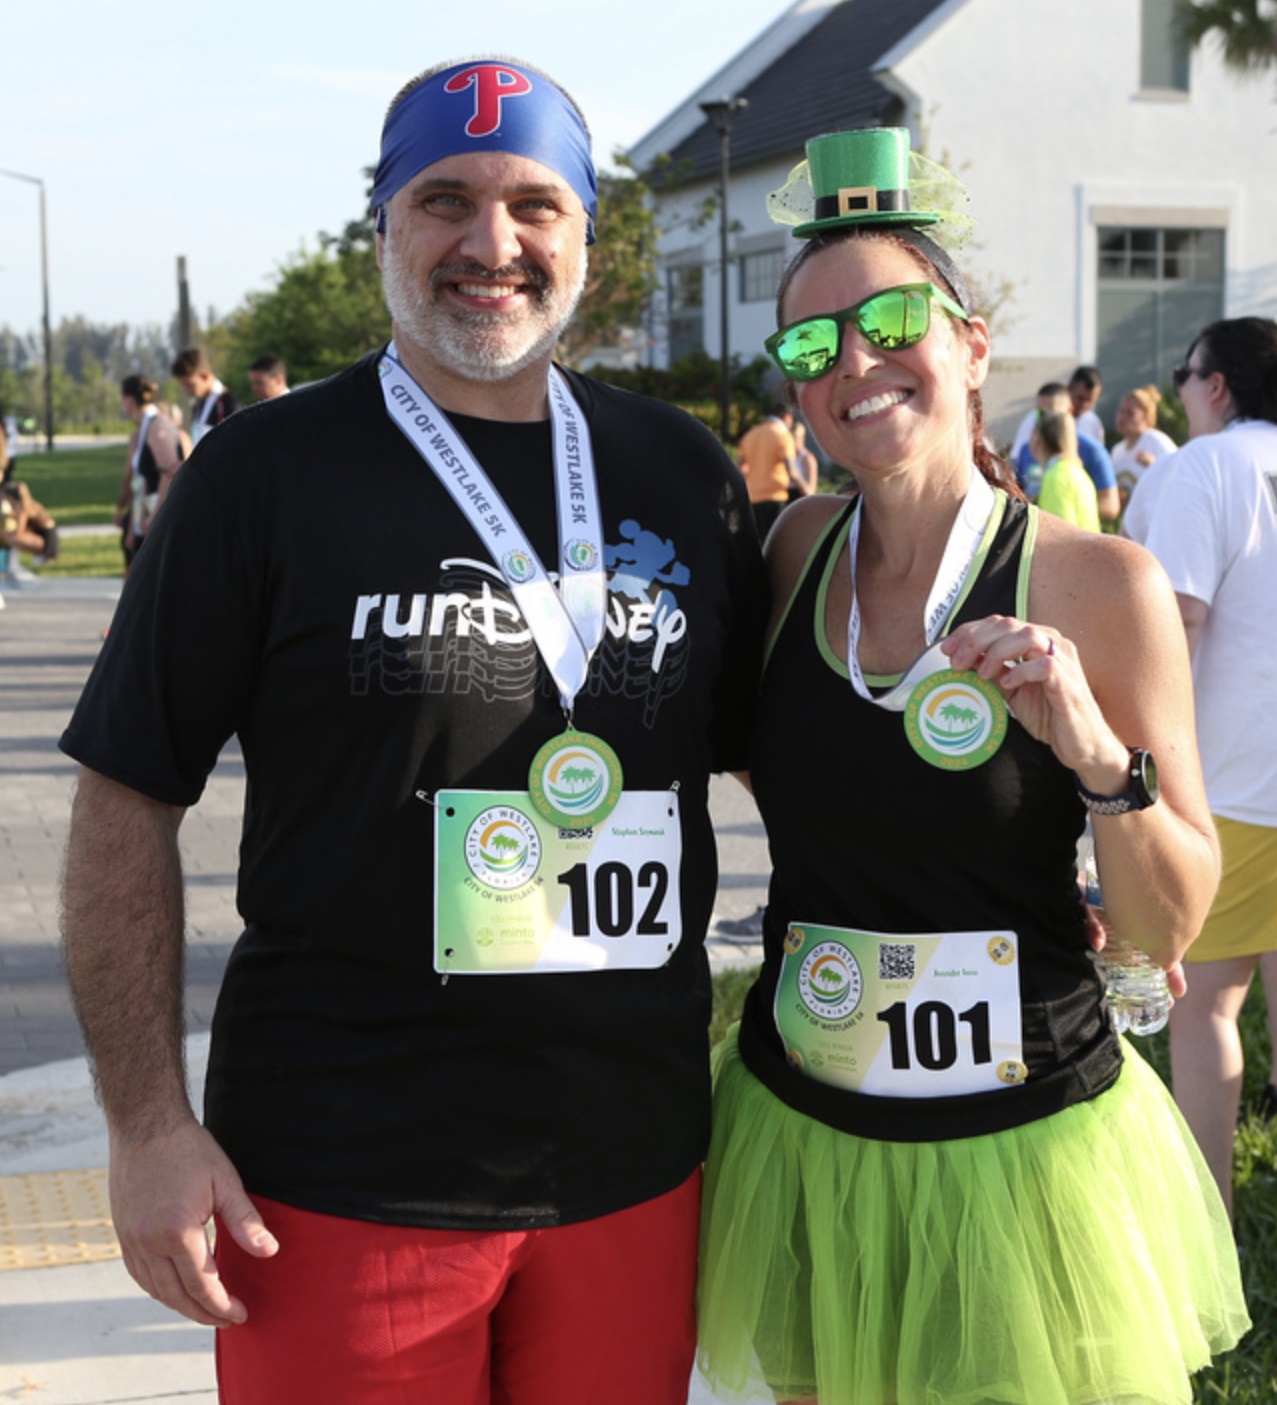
514	894
902	1016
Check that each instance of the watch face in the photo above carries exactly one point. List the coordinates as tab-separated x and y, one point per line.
1144	776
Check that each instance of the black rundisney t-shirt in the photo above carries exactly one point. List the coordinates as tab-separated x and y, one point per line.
311	588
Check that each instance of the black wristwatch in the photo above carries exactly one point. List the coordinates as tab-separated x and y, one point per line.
1139	795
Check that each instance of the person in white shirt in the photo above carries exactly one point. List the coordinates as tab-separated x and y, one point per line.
1213	526
212	402
269	377
1142	443
1085	385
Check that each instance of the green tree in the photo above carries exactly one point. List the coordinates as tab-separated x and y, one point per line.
1246	30
325	310
622	269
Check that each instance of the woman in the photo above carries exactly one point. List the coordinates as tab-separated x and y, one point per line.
25	524
933	1175
154	455
1212	523
1065	489
1142	443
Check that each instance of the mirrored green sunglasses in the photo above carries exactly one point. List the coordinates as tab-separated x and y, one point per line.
890	320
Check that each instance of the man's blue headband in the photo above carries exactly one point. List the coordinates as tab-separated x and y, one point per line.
486	105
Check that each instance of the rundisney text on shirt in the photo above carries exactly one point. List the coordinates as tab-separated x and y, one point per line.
468	636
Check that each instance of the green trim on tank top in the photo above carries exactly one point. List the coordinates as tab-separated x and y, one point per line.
1026	562
838	665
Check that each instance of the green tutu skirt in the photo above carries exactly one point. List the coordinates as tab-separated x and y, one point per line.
1079	1259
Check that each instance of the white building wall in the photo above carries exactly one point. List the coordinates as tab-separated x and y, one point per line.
749	323
1037	106
1043	141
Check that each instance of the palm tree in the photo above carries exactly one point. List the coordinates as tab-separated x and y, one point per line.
1246	29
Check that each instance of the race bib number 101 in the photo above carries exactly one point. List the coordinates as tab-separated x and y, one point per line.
902	1016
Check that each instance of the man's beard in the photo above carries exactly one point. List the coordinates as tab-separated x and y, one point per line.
470	342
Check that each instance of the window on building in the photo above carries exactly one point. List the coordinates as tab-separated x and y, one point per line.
1157	288
685	301
1163	52
1163	255
760	274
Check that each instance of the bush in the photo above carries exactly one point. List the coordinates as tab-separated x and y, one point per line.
693	384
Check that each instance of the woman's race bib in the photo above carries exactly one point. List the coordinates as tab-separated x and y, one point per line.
902	1016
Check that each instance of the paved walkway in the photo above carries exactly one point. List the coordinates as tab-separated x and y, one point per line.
80	1333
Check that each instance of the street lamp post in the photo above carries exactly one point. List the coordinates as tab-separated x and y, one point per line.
44	278
720	113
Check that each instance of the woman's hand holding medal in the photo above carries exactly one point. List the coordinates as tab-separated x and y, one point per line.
1038	672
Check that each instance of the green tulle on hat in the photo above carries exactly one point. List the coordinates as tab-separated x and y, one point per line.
937	200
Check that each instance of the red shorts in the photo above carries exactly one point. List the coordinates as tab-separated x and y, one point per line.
353	1313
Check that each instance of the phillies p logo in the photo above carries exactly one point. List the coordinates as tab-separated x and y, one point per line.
492	84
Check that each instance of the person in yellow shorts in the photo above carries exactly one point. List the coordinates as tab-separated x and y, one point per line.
1214	529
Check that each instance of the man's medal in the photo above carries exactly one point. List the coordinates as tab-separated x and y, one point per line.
575	780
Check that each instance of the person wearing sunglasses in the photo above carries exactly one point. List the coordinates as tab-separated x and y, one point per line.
934	1174
1209	514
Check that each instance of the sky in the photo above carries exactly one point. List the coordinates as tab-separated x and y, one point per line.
233	133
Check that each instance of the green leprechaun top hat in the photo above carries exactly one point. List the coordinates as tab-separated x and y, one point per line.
861	178
869	177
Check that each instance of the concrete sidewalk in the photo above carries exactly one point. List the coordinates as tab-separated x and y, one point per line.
78	1331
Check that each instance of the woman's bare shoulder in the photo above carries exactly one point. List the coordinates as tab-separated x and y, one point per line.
1070	563
1106	593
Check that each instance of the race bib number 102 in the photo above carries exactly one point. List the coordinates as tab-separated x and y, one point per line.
514	894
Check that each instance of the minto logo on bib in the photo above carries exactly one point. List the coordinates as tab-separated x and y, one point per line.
955	720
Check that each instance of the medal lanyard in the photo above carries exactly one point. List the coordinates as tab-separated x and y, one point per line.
567	624
148	413
960	550
200	422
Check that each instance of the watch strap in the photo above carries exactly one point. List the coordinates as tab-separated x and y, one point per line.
1135	797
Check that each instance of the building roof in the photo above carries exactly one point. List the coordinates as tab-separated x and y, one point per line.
824	82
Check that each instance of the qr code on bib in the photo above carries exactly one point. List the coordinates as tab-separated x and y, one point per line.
896	961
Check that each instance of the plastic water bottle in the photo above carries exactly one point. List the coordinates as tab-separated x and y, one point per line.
1138	995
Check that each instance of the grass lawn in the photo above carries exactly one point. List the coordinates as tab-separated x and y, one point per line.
78	486
85	556
1248	1375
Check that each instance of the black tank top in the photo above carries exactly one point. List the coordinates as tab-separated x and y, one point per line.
865	834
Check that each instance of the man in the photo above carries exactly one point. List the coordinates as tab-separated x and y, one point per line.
459	1076
1209	514
1085	387
212	402
269	377
768	462
1053	398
